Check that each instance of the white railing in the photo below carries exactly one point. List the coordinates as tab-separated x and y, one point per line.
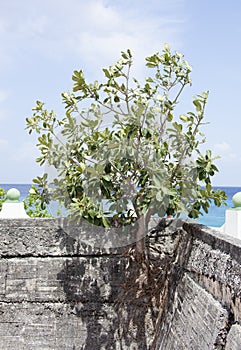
232	226
13	208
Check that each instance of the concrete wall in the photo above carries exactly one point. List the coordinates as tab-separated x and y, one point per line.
204	311
58	292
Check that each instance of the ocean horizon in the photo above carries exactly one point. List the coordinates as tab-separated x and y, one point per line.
214	218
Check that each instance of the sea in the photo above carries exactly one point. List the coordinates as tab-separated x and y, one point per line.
214	218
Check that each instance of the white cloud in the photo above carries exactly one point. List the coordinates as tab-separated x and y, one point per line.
44	40
95	31
18	162
105	31
3	95
3	145
25	154
225	151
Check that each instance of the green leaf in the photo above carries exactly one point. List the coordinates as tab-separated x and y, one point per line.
105	222
197	105
177	126
107	178
169	117
184	118
205	94
124	55
129	53
159	196
91	170
107	73
92	213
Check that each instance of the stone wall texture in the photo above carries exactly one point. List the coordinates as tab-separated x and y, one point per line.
57	291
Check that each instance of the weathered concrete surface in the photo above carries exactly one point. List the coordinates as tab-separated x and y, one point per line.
48	237
52	279
41	326
194	321
215	262
234	338
57	292
60	292
207	301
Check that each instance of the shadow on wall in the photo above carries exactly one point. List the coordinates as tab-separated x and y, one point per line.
118	300
93	286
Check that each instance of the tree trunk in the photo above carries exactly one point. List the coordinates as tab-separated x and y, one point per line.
140	238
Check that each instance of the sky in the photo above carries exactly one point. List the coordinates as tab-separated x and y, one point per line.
44	41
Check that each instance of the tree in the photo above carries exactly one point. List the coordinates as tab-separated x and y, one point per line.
147	162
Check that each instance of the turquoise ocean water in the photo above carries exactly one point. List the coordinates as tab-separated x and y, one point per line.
215	217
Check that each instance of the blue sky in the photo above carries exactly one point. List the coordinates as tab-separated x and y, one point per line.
42	42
